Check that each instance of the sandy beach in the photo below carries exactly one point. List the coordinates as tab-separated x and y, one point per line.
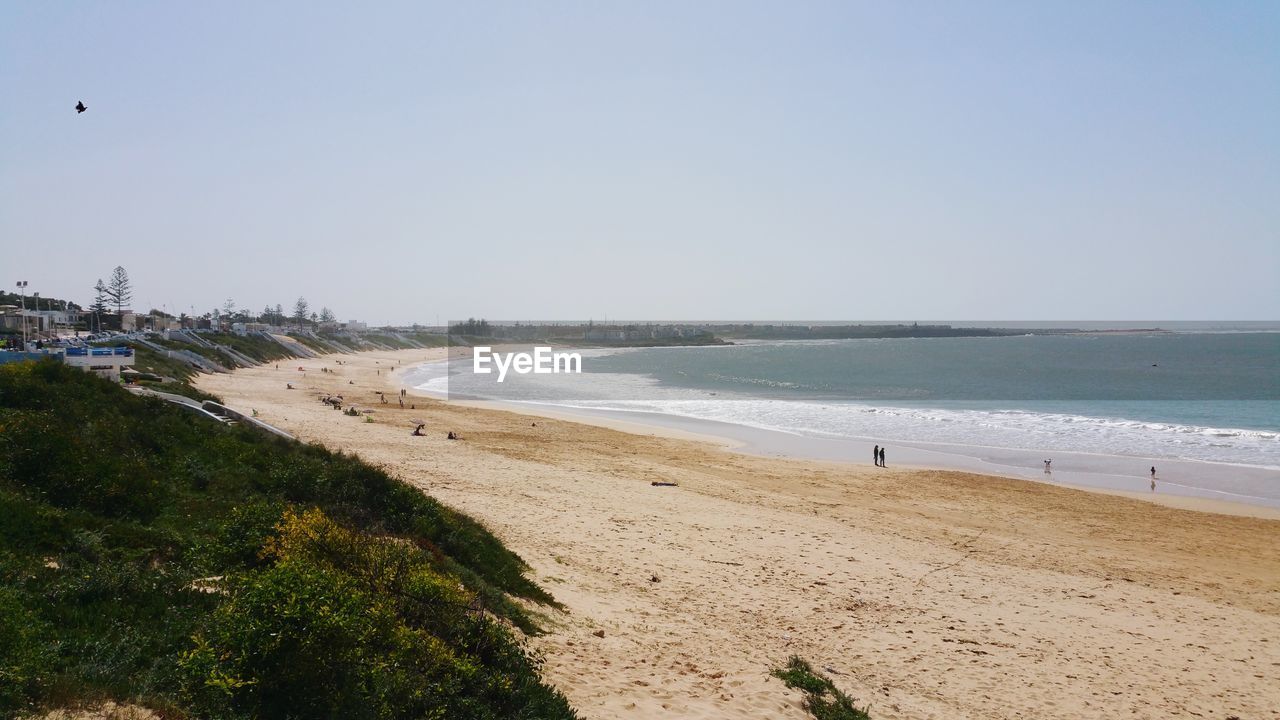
923	593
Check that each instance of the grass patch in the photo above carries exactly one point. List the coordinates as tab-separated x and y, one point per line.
256	348
151	556
214	354
148	360
822	699
312	343
429	339
391	342
346	340
180	388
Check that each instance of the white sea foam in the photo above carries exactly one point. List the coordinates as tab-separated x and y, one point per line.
988	427
999	428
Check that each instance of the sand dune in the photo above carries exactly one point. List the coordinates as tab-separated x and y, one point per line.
924	593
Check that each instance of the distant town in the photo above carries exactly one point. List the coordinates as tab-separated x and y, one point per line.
109	337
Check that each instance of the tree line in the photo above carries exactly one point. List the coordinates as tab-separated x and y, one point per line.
302	313
117	293
471	327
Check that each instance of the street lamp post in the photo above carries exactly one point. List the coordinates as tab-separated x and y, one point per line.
22	289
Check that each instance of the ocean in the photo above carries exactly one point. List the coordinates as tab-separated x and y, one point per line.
1201	404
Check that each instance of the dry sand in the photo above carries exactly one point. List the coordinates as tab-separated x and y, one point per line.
925	594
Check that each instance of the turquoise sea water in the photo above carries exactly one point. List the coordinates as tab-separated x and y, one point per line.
1201	397
1159	384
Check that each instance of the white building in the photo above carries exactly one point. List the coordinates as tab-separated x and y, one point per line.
104	361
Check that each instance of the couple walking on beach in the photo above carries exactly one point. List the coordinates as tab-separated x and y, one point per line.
877	456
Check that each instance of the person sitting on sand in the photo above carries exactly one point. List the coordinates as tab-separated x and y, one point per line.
453	435
418	430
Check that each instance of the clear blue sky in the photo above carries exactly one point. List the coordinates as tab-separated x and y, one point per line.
401	162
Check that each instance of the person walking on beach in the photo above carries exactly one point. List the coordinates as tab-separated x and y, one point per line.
882	458
1048	470
875	455
1153	472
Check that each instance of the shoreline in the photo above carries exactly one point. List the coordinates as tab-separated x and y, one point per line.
922	456
924	592
731	443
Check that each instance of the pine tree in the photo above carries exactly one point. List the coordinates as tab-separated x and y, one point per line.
300	310
99	306
326	315
99	297
119	290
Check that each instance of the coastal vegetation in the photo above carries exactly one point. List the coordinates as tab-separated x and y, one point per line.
210	353
171	365
157	363
255	347
822	699
313	343
36	302
203	570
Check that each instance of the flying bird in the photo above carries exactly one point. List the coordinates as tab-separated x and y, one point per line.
81	107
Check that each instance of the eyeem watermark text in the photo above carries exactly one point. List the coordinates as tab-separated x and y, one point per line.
542	361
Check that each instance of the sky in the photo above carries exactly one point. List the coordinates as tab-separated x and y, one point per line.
421	162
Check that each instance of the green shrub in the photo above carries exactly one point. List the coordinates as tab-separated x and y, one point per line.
294	641
145	552
148	360
346	625
823	699
26	653
255	347
181	388
67	460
